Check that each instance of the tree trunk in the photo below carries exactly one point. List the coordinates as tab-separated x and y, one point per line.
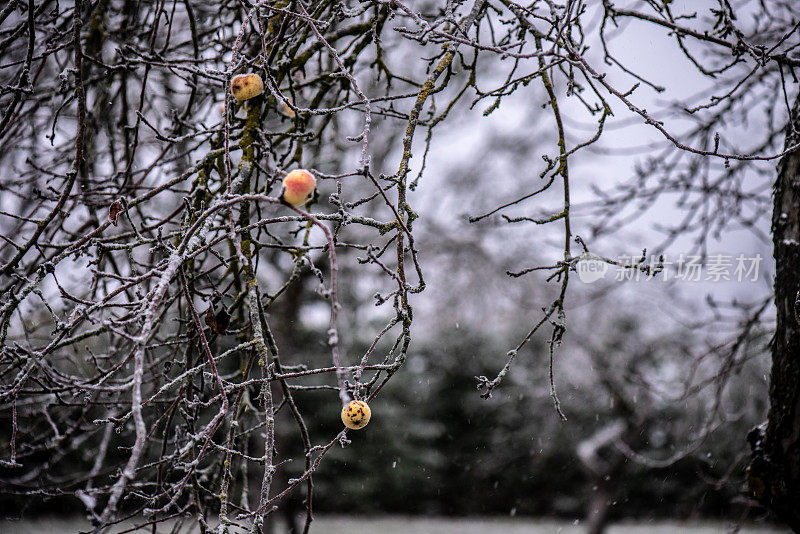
774	473
597	518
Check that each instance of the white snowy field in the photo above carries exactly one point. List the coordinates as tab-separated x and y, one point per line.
406	525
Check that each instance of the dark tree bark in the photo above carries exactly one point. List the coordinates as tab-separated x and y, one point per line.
774	473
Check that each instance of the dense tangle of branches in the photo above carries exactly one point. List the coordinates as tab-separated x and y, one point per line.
145	250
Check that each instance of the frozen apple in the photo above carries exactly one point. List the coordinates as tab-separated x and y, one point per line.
246	86
298	186
356	415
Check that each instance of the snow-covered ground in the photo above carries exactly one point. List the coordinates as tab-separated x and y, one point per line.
404	525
